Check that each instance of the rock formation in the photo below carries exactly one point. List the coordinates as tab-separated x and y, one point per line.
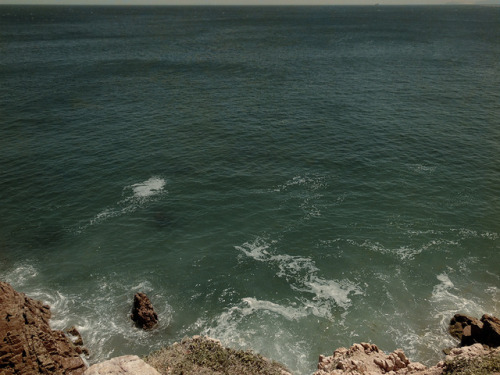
368	359
125	365
470	330
206	356
27	343
143	313
29	346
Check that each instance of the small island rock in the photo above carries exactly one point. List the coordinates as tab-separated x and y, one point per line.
143	313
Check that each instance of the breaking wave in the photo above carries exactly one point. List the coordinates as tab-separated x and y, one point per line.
318	296
142	193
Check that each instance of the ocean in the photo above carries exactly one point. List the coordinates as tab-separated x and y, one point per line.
285	179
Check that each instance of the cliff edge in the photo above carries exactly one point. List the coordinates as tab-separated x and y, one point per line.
27	343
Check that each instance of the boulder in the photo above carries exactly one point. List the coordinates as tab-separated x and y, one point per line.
470	330
143	313
491	330
125	365
27	343
458	324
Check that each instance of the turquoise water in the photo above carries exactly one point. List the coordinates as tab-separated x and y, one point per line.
289	180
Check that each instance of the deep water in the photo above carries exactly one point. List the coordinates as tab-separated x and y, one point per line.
285	179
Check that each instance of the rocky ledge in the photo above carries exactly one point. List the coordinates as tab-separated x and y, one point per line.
368	359
29	346
27	343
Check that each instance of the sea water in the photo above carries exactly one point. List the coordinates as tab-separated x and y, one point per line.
284	179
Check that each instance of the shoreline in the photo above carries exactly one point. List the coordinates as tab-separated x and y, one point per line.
54	351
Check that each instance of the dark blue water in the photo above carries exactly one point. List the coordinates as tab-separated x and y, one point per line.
286	179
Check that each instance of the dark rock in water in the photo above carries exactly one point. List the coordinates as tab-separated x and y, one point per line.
458	324
27	343
470	330
491	330
143	313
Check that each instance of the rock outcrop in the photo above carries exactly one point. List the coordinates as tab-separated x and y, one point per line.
27	343
368	359
206	356
143	313
124	365
470	330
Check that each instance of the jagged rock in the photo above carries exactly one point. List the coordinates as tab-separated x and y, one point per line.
491	330
367	359
459	322
77	337
143	313
125	365
470	330
77	340
27	343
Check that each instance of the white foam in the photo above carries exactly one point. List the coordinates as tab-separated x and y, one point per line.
289	313
313	183
337	291
403	252
21	275
148	188
420	168
301	274
266	327
256	250
449	300
142	193
445	283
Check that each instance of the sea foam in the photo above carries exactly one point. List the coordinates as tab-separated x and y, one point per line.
148	188
142	193
319	296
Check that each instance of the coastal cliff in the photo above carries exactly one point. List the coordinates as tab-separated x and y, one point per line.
29	346
27	343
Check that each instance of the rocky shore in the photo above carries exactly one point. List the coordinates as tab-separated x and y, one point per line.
29	346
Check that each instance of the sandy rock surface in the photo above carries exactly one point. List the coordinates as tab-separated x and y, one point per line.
124	365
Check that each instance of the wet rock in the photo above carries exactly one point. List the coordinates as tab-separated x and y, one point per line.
459	322
77	340
470	330
125	365
143	313
27	343
491	330
77	337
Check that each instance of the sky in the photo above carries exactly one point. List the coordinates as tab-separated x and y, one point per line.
247	2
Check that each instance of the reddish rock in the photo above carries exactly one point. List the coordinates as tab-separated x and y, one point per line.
27	343
143	313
